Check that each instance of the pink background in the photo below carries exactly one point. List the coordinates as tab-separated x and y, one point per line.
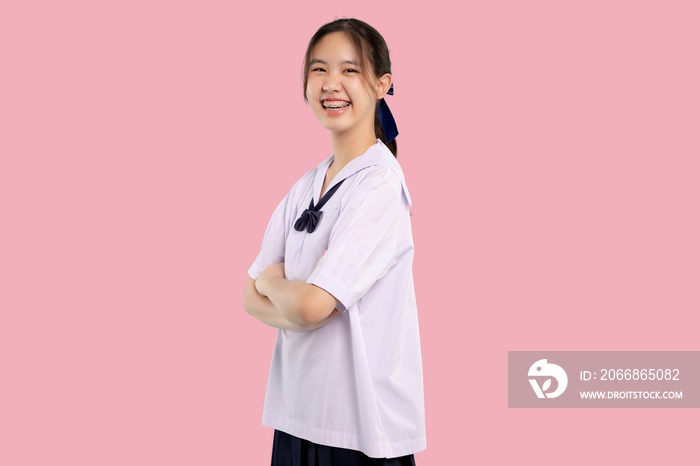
551	150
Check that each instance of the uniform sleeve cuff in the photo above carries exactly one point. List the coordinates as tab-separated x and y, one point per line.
339	290
254	271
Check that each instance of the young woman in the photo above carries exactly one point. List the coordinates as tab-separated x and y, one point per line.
334	275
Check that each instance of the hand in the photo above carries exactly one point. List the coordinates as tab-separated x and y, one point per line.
271	271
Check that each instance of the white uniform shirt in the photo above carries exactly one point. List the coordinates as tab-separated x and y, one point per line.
357	382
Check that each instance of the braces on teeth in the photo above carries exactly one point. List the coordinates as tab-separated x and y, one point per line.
336	105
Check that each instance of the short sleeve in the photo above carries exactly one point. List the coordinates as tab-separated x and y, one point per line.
272	249
363	241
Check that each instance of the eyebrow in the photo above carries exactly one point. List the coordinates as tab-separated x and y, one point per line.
344	62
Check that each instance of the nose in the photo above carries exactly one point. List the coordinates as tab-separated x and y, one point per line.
330	83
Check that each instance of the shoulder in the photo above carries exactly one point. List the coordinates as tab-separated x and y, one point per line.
379	177
384	173
378	187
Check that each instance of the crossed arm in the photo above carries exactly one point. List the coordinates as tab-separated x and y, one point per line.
293	305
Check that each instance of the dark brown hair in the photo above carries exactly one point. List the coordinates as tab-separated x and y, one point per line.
373	54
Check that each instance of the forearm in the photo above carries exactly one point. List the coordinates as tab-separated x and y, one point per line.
287	296
300	302
263	309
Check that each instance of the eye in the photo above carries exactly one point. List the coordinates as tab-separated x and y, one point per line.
318	69
351	70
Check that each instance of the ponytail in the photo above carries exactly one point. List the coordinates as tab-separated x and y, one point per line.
379	131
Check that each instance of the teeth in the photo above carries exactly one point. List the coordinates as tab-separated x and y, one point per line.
335	104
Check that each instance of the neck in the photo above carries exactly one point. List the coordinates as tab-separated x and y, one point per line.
347	147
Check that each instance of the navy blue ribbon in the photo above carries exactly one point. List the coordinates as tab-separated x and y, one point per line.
310	217
386	119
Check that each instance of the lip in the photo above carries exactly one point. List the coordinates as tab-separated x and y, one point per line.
335	111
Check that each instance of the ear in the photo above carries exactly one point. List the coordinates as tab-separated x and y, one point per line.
383	85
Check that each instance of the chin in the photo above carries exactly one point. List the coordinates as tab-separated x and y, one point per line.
334	127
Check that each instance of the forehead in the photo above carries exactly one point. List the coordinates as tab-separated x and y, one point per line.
334	47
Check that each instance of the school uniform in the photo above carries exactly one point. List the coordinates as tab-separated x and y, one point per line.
357	382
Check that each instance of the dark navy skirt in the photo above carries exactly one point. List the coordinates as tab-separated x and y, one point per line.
288	450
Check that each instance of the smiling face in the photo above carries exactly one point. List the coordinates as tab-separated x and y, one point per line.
339	95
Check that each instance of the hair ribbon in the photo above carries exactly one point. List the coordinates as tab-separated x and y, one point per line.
386	119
